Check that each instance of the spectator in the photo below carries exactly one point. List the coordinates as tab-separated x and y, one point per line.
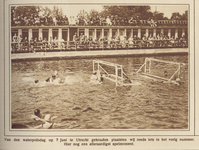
40	42
138	20
81	38
44	42
131	21
15	38
75	37
108	21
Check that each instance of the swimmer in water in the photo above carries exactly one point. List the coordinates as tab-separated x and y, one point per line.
96	78
52	78
47	120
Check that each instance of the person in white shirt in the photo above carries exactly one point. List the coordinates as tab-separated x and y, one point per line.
108	21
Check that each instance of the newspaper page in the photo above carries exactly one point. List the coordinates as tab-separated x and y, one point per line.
99	74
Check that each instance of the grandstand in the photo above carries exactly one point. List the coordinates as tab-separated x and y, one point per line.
102	36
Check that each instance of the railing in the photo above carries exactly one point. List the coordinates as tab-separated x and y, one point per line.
31	47
129	23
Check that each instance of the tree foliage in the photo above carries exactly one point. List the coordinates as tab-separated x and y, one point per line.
26	11
127	11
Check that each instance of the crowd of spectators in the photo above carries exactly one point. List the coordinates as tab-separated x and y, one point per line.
113	20
36	20
84	42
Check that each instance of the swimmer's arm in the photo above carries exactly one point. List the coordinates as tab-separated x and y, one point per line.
39	126
53	117
37	118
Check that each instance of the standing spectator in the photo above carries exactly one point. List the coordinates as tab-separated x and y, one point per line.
19	39
153	23
15	38
112	20
130	41
35	43
97	21
54	21
108	21
131	21
65	20
40	42
25	41
81	38
55	42
117	20
44	43
31	44
138	20
75	37
50	43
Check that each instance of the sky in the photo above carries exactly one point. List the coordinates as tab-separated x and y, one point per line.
73	10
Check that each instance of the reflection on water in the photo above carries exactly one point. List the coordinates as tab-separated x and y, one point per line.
80	105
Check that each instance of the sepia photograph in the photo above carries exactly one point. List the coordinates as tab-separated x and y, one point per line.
99	66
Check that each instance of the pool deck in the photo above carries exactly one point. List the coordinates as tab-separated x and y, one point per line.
101	53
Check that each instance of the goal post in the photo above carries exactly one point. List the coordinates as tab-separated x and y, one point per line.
161	69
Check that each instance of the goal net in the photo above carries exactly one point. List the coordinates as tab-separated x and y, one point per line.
111	71
163	70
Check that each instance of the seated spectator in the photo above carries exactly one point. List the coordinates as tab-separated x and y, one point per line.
90	41
117	40
40	42
25	41
31	44
108	21
111	43
35	43
144	41
15	38
19	40
150	39
125	42
81	38
103	21
45	42
95	43
50	43
126	21
97	21
55	42
37	20
62	44
75	38
130	41
65	20
135	39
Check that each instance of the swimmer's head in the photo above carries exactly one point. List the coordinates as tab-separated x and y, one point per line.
37	112
94	72
55	73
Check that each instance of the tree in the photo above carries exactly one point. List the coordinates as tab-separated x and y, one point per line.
184	15
127	11
158	16
26	11
12	15
93	14
175	16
